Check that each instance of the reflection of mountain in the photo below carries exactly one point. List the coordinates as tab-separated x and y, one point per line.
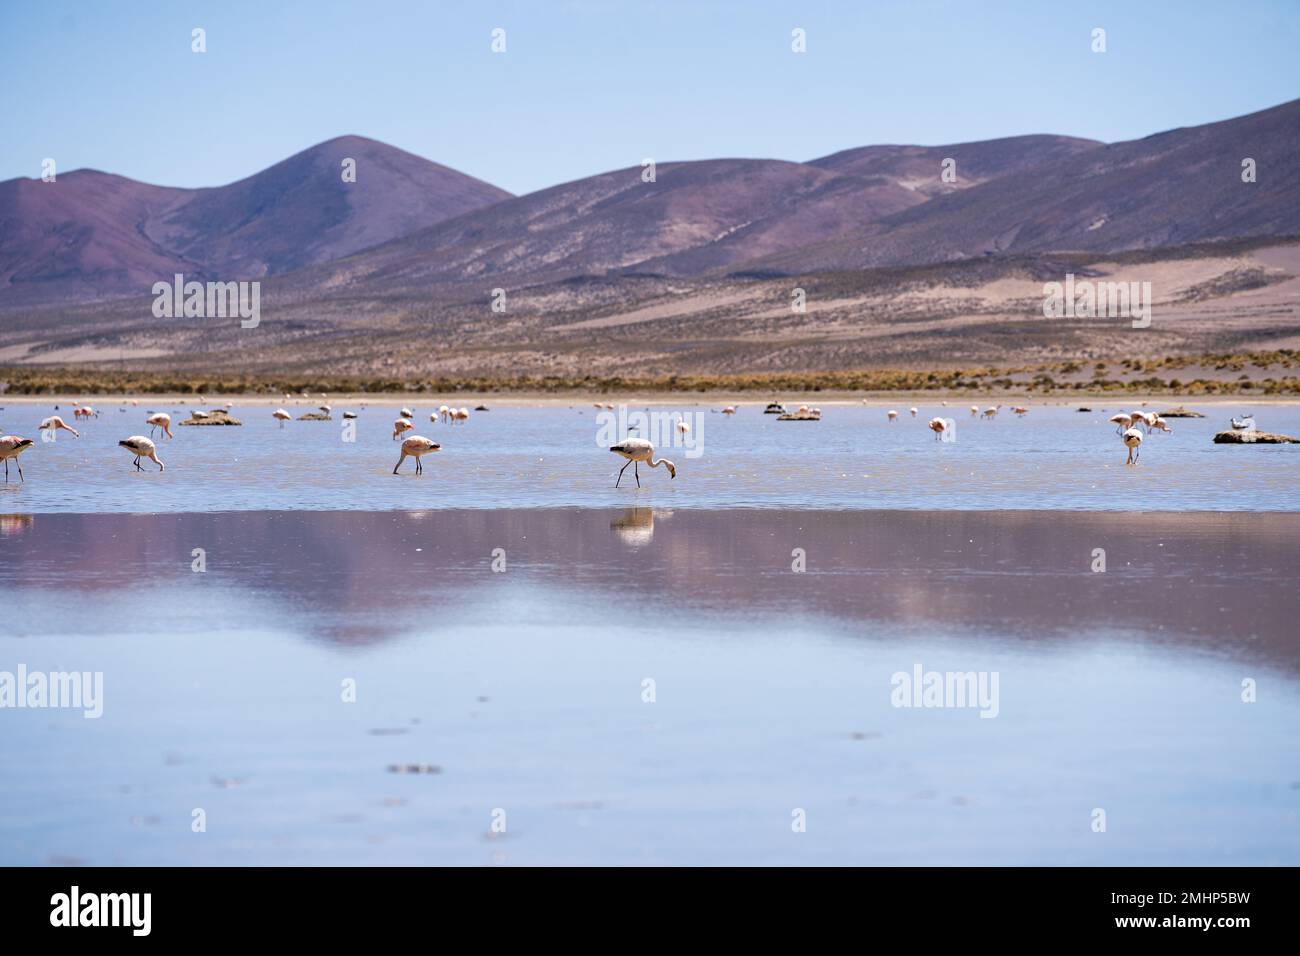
357	577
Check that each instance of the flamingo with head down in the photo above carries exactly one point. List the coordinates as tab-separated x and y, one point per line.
54	423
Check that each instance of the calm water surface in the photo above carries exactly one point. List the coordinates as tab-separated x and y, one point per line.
1054	458
1118	690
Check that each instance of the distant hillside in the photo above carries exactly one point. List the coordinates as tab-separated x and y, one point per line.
91	234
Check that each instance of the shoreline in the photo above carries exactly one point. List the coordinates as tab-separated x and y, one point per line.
641	398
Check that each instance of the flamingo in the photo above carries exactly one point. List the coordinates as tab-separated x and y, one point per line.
938	425
1132	439
84	411
326	409
729	410
974	410
401	425
1161	425
991	411
445	413
142	447
891	414
407	413
1140	418
11	446
414	447
160	420
913	411
683	427
54	423
637	450
1121	422
281	416
1020	410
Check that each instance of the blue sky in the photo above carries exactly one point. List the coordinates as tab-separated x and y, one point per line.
588	86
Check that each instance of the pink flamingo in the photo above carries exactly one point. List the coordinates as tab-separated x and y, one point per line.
415	447
637	450
54	423
11	446
1132	439
160	420
142	447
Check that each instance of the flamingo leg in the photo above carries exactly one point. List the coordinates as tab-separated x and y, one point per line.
419	468
399	463
20	470
636	470
6	471
620	474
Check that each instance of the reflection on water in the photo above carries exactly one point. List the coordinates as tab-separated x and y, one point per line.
1119	688
1054	458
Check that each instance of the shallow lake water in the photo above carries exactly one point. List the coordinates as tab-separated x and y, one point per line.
512	456
520	692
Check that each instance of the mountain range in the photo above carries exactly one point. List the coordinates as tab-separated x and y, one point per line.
909	255
407	222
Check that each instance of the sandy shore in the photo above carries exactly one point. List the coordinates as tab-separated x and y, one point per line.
745	399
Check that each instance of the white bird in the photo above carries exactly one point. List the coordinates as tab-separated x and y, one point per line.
325	408
991	411
683	427
729	410
974	410
54	423
1121	422
1160	424
142	447
401	425
637	450
198	415
407	413
445	413
281	416
160	420
11	446
891	414
1132	439
415	447
913	411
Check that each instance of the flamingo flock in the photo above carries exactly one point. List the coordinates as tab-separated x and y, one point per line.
1132	428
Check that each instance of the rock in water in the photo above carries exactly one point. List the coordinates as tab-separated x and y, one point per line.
1254	438
218	416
